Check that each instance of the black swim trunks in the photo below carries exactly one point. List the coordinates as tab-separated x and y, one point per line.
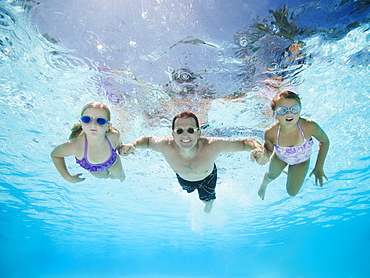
206	187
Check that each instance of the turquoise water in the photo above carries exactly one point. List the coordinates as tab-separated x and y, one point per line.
57	56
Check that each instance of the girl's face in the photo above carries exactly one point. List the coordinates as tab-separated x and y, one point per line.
289	118
97	117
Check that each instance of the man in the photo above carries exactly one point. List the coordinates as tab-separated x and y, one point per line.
192	157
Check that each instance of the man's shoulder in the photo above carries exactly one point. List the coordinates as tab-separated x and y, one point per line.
214	142
160	144
208	140
163	141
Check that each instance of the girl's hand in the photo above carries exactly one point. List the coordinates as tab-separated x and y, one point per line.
259	155
126	149
319	176
76	178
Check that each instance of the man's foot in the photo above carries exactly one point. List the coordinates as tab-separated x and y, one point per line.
208	206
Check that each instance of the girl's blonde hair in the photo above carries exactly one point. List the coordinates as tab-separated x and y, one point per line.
285	94
76	130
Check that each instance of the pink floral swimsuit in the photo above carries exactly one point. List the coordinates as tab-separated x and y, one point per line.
295	154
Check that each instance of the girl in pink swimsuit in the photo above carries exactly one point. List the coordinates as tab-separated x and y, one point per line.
289	142
93	142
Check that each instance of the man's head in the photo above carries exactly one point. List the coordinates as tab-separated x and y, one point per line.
185	130
186	114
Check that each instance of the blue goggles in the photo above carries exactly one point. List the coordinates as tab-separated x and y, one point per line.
282	110
99	121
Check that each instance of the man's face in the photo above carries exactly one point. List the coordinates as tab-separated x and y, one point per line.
186	133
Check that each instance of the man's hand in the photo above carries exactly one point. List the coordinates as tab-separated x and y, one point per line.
125	149
260	156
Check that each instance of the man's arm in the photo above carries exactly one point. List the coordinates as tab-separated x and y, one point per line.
154	143
235	145
142	142
126	149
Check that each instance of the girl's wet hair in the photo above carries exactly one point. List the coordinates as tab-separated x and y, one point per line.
185	114
282	95
76	130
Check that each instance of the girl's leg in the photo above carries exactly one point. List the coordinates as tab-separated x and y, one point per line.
275	168
296	176
116	170
102	175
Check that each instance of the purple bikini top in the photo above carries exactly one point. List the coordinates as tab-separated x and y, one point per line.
295	154
97	168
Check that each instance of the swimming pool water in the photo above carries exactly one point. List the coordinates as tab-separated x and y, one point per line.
57	56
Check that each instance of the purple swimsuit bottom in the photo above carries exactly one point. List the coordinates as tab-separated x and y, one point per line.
295	154
98	168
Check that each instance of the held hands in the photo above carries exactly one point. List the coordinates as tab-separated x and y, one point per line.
259	155
319	176
125	149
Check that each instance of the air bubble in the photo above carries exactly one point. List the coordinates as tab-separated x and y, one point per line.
186	57
154	122
243	42
170	70
275	29
330	61
255	89
220	54
185	76
164	122
273	66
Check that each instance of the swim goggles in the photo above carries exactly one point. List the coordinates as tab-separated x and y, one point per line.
99	121
282	110
190	130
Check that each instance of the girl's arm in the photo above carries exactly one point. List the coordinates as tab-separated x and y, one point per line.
269	146
324	143
115	138
58	154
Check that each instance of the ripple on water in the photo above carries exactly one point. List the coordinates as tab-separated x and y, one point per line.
66	62
7	20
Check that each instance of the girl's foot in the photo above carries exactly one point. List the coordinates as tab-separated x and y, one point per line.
263	186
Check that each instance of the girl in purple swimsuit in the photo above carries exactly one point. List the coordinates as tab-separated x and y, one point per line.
93	142
289	142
